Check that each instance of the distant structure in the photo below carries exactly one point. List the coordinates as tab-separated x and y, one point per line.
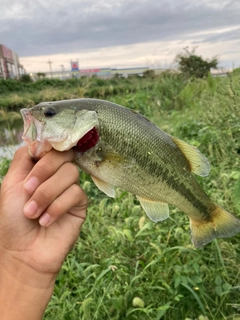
10	66
103	73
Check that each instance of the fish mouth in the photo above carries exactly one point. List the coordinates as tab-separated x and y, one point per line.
88	141
39	145
32	135
32	127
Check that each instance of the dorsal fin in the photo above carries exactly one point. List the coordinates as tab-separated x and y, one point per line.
198	162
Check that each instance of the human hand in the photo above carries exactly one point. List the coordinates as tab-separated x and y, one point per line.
42	209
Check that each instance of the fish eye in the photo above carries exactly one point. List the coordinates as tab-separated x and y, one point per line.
49	112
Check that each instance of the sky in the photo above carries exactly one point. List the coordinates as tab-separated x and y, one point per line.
119	33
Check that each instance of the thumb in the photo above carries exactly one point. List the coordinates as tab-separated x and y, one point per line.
21	165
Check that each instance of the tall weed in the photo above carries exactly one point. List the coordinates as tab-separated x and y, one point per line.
126	267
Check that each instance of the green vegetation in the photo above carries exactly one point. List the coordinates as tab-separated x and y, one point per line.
26	78
192	65
15	94
124	266
41	75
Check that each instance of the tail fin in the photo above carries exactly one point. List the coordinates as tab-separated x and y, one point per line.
221	225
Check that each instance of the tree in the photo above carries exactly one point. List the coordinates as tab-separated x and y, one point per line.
150	73
41	75
26	78
192	65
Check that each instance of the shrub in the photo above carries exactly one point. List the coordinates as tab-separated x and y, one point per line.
192	65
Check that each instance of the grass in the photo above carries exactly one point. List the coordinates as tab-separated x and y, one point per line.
15	95
126	267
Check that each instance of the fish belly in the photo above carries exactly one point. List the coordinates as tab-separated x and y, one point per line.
127	174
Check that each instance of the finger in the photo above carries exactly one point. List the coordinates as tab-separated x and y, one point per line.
20	167
50	189
21	164
73	200
46	167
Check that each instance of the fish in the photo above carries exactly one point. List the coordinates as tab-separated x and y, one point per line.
121	148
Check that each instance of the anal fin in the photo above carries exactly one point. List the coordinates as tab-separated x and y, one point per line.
156	211
104	187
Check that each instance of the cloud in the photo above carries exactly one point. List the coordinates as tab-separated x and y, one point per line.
50	27
232	34
41	27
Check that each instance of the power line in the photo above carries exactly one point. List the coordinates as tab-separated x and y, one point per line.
42	61
31	61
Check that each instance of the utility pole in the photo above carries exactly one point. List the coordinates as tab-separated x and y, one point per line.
62	66
50	66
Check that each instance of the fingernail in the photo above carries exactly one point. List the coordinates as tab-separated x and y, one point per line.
30	209
44	219
32	184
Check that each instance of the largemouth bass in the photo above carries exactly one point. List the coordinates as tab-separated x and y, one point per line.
120	148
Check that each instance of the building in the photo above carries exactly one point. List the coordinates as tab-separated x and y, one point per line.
10	66
103	73
106	73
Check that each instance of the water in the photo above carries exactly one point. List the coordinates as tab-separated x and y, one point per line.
8	151
10	141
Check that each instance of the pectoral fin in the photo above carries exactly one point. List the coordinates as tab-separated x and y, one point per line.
104	187
197	161
156	211
113	158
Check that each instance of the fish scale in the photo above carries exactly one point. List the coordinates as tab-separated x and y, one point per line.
154	158
133	154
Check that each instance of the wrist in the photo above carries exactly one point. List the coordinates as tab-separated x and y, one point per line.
13	266
24	292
